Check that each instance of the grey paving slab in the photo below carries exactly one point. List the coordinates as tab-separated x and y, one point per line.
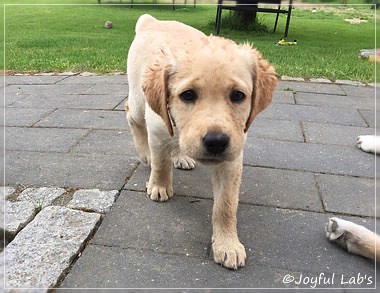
281	96
175	217
359	91
115	89
348	195
330	159
334	134
370	117
261	186
140	248
85	119
275	129
47	90
314	114
91	101
137	269
106	142
24	117
120	107
42	139
68	170
11	99
280	188
33	79
309	87
352	102
101	79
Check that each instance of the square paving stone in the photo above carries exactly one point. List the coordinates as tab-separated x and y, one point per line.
334	134
330	159
68	170
314	114
275	129
97	102
42	139
90	119
24	116
144	239
107	142
335	101
260	186
348	195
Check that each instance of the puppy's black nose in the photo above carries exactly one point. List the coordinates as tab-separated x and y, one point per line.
216	142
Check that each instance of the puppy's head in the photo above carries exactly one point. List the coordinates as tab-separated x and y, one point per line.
210	94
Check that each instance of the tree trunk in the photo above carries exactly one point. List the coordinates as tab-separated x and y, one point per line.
246	17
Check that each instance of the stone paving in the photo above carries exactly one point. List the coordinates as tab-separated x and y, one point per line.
76	214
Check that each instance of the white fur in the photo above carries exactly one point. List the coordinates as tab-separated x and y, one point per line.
369	143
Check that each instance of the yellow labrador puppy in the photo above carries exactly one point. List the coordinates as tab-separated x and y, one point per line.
192	98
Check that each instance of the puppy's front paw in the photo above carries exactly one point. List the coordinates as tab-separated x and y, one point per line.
348	235
229	252
367	143
159	193
183	162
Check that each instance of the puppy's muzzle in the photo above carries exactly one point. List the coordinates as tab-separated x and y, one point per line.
215	143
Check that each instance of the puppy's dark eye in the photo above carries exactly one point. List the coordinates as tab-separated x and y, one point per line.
237	96
188	96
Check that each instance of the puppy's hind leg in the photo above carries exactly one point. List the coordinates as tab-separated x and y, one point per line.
140	134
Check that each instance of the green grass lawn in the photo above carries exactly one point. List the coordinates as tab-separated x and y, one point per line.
72	38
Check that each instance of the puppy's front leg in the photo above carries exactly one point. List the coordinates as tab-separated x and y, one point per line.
160	185
227	249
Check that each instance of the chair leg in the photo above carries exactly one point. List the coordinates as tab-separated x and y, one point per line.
288	21
218	20
275	23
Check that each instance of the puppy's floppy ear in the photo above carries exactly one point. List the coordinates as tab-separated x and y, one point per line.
264	83
155	88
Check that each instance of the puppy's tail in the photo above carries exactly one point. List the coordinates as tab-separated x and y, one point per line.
143	21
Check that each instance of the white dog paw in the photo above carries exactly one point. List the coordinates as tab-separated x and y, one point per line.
159	193
367	143
230	253
183	162
348	235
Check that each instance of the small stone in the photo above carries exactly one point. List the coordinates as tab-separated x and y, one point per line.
108	24
41	197
39	254
93	200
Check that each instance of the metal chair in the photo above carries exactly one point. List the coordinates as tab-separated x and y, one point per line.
253	5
